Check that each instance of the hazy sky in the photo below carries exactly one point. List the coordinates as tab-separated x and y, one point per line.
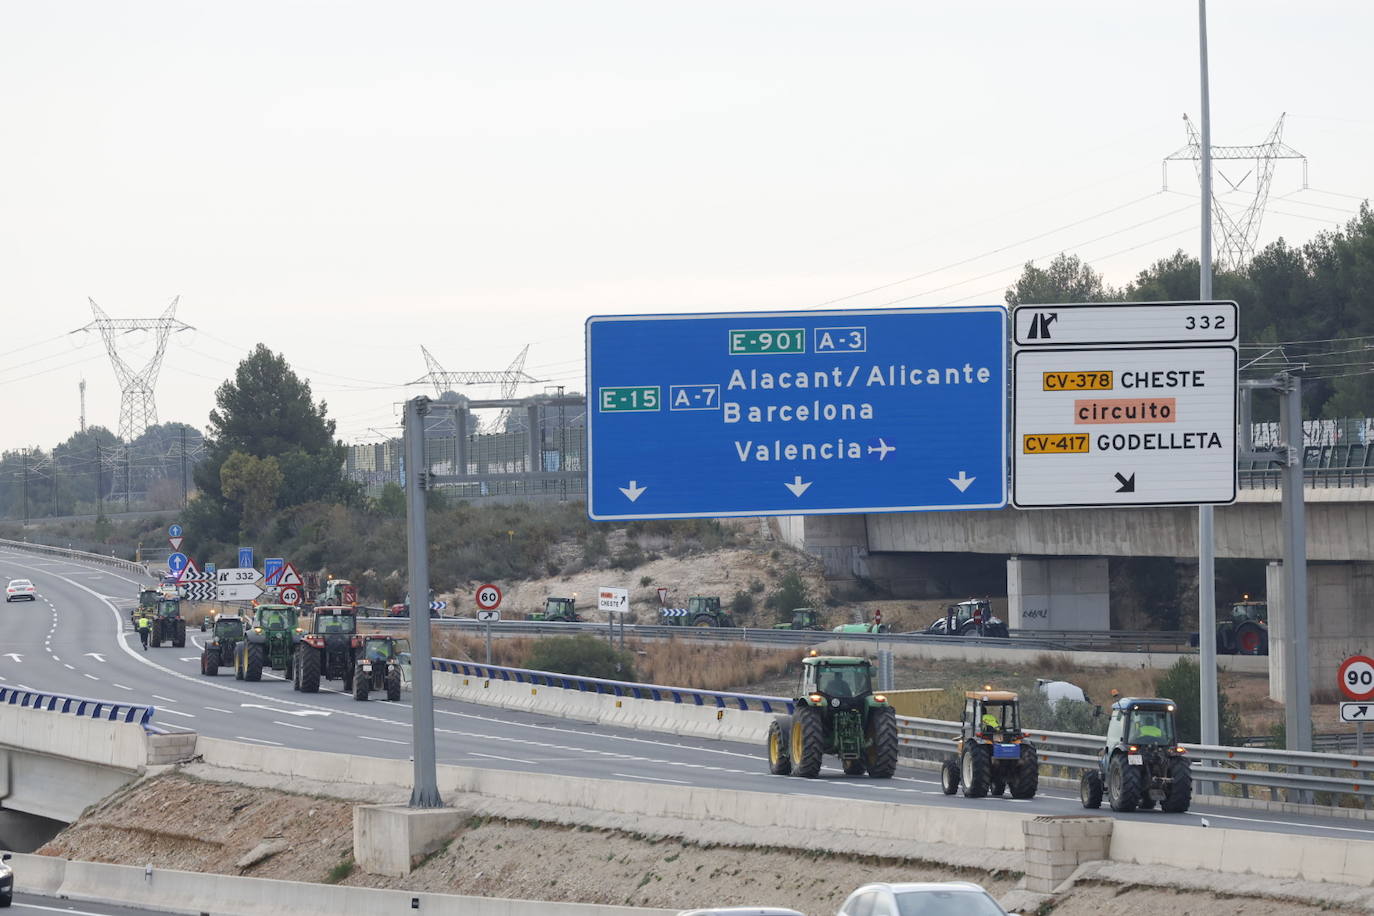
345	181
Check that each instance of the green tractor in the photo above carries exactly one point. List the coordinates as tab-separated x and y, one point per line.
1142	764
227	633
558	610
327	650
147	603
836	712
167	624
1247	632
377	666
269	642
991	752
803	618
701	611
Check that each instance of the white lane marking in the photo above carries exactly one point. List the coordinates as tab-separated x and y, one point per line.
217	709
93	677
56	659
387	740
97	656
68	667
163	699
176	713
260	741
122	687
499	757
679	782
306	728
19	905
197	642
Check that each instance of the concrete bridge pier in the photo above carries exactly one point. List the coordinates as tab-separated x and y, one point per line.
1058	593
1340	620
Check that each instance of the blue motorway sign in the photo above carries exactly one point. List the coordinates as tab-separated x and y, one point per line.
176	562
271	568
245	558
796	413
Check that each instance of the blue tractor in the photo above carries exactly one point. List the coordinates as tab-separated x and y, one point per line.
1142	764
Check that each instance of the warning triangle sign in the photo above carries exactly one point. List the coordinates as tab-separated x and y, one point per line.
287	576
175	542
189	571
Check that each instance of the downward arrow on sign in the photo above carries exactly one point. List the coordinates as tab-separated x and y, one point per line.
797	487
632	492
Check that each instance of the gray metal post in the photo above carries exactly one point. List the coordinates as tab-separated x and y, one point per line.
425	793
536	462
1297	686
1206	538
488	642
460	441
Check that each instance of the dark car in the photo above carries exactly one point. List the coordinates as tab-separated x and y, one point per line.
6	881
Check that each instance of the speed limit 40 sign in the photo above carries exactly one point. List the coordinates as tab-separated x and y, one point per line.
488	597
1357	677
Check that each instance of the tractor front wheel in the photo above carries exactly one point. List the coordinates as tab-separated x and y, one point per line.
949	777
1026	781
252	662
209	662
238	662
779	762
881	754
1090	789
393	686
1181	788
360	685
1123	785
807	743
975	770
179	635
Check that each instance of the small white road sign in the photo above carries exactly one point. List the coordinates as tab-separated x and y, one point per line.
1357	712
613	600
489	616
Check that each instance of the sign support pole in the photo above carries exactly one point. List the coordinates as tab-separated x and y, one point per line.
1206	536
1297	689
425	793
488	642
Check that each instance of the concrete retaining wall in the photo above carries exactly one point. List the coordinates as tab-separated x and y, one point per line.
605	709
195	892
1010	653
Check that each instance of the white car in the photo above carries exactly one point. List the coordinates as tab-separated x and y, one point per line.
955	898
20	590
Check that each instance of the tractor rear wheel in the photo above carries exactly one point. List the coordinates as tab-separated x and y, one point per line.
807	743
252	662
1250	638
704	620
1181	789
1090	789
881	756
393	686
209	662
1123	784
949	777
179	635
853	767
238	662
779	762
308	670
1026	781
975	770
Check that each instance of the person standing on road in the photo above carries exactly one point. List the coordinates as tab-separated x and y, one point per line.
144	627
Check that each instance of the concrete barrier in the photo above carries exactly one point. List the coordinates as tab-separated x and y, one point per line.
607	709
1010	652
198	892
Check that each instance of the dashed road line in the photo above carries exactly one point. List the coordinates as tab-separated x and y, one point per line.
499	757
259	741
304	728
386	740
217	709
679	782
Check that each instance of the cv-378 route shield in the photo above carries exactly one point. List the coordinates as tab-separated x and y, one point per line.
796	413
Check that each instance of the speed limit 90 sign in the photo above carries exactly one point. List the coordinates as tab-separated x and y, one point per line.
1357	677
488	597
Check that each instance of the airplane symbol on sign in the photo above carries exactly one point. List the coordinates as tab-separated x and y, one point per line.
882	448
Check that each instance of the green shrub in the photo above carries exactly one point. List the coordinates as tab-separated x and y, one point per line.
583	655
741	604
791	593
1182	684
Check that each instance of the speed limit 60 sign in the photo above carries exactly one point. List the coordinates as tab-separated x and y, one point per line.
488	597
1357	677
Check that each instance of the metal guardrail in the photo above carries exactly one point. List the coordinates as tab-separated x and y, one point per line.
657	692
1312	478
1334	775
1045	640
134	713
68	553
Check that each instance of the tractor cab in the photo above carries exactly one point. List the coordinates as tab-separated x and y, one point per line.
274	617
228	628
836	677
803	618
147	598
1136	721
384	648
558	610
169	608
334	620
1257	611
992	715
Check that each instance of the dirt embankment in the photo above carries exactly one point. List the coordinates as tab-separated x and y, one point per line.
176	821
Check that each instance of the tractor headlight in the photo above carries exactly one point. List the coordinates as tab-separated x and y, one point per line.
879	698
816	698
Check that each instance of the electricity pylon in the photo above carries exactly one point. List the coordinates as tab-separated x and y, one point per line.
509	379
137	409
1239	233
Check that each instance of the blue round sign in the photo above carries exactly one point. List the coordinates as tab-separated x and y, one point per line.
174	531
176	562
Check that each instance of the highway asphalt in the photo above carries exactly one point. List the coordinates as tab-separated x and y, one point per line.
46	906
75	639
